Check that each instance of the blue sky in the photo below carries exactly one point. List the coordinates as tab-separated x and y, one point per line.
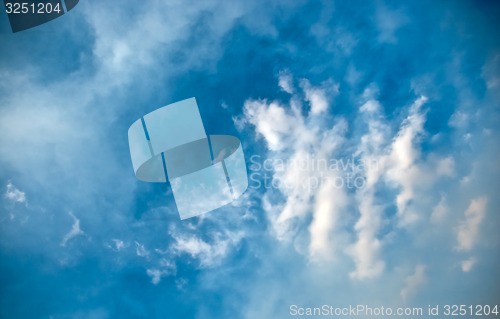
411	87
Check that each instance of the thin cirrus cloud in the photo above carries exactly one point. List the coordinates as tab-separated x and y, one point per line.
75	231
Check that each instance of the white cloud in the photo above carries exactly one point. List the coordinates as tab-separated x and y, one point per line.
155	275
468	228
285	81
14	194
440	211
400	163
208	254
468	264
297	143
140	250
365	251
140	44
445	166
459	119
165	268
403	152
414	282
318	97
239	122
329	205
74	231
403	169
119	244
271	121
43	131
318	220
317	216
395	162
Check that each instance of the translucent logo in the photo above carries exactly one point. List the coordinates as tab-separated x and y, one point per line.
205	172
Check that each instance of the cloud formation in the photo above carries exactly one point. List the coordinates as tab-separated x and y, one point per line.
388	160
468	229
396	105
73	232
14	194
208	254
414	282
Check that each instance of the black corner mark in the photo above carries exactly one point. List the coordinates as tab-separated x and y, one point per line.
26	14
70	4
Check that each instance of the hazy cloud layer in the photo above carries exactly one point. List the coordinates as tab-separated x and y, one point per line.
395	104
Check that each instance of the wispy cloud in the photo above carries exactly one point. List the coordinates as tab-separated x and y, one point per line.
414	282
392	161
294	139
62	134
372	149
318	97
468	264
271	122
165	268
285	81
73	232
140	250
119	244
405	152
388	22
440	211
468	228
14	194
208	254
